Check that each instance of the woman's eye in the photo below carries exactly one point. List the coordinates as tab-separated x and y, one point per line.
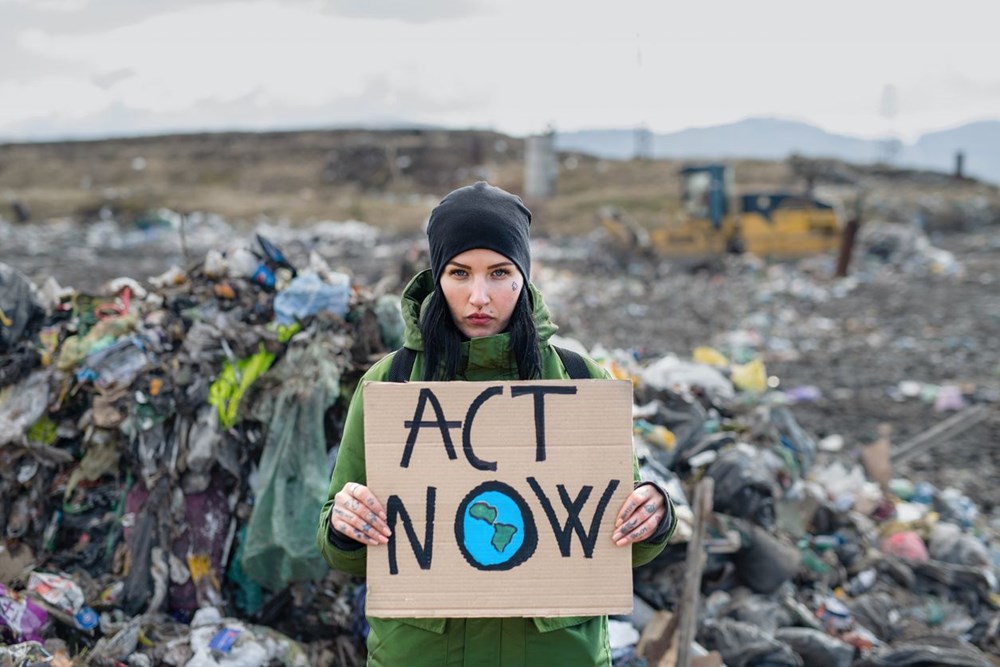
501	273
458	273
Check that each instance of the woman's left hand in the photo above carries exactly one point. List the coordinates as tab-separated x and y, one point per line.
639	516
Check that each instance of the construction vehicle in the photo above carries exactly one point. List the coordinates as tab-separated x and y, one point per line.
767	224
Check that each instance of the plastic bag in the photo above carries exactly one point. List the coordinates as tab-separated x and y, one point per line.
745	645
750	377
117	365
949	544
292	486
228	389
20	312
744	487
309	294
390	321
22	404
924	655
22	617
794	437
906	545
817	648
765	562
671	372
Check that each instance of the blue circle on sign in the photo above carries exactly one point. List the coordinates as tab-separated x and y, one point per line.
494	527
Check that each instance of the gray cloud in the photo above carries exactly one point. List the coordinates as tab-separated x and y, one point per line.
95	17
99	16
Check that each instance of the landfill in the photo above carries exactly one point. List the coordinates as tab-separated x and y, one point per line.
166	442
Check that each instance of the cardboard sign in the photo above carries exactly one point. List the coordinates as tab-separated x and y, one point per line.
501	497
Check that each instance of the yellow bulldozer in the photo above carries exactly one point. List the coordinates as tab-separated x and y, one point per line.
713	222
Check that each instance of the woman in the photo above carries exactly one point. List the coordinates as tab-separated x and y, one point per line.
475	316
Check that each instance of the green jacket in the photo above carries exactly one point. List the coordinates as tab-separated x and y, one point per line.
460	641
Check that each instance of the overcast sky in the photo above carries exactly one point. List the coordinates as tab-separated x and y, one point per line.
73	68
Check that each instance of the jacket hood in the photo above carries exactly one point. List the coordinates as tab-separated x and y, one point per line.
419	291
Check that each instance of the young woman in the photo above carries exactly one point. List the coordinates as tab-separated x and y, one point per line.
475	316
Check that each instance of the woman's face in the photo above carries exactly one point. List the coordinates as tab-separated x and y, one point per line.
481	287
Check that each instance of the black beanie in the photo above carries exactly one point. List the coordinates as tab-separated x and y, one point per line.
480	216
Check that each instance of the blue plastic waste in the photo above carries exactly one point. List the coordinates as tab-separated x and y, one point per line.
309	294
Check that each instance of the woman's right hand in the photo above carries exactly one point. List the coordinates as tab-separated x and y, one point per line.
359	515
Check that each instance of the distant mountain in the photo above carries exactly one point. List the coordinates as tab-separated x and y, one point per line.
776	139
979	142
610	144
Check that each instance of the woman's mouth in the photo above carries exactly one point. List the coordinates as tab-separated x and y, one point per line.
479	320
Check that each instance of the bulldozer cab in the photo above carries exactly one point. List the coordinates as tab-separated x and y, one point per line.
705	194
706	226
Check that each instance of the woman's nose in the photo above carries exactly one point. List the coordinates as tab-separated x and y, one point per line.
480	294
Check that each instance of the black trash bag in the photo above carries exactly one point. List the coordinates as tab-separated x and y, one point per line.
985	633
926	653
761	611
20	313
745	645
765	562
969	586
744	487
877	612
816	648
714	442
685	418
17	364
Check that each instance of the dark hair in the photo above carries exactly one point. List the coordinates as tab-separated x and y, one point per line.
443	340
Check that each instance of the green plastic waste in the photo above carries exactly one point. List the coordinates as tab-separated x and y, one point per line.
390	321
228	389
292	481
44	431
247	593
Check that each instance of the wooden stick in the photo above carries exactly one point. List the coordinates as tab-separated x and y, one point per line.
688	608
936	434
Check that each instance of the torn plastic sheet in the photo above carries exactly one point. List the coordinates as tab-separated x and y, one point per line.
744	645
281	533
217	641
116	365
22	404
101	459
309	294
234	380
21	617
207	525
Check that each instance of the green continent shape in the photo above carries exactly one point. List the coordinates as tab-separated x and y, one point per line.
502	535
483	512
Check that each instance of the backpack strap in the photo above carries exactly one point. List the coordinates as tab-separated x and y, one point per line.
574	364
402	365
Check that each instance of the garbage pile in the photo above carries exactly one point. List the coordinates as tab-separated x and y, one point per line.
810	560
164	456
165	449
